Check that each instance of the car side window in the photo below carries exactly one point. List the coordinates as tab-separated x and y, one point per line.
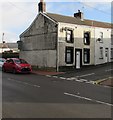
11	61
7	61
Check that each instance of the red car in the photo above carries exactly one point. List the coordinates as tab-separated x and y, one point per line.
16	65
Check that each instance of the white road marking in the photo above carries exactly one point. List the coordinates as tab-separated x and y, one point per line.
79	81
76	79
63	78
55	76
68	78
25	83
73	78
90	82
86	75
108	70
48	75
83	80
36	86
89	99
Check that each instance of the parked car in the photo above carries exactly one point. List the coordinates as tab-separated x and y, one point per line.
2	60
16	65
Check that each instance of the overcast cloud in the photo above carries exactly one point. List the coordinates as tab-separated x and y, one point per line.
17	15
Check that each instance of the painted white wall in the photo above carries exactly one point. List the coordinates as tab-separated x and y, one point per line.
78	41
105	44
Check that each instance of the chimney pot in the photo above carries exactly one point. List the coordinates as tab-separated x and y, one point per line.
79	15
42	6
78	11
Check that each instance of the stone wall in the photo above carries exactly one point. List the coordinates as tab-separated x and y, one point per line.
39	43
41	58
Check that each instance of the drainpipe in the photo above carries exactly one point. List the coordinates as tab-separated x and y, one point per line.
94	44
57	50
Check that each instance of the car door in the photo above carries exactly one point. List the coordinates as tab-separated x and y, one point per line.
6	65
11	65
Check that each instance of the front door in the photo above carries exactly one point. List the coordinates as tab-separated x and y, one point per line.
78	58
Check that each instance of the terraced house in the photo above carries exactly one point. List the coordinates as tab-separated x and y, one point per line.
58	41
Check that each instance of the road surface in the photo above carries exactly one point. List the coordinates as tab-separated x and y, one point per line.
37	96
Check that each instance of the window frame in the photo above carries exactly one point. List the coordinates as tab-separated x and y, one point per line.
87	39
101	56
88	55
71	36
101	37
71	55
111	53
111	39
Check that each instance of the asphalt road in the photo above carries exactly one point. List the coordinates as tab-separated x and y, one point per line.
90	73
36	96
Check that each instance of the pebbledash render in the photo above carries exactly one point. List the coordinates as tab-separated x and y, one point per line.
58	41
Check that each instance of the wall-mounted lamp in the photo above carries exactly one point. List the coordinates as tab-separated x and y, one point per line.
98	40
62	29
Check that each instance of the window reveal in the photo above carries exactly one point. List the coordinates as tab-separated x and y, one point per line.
69	36
86	55
87	38
111	53
101	52
111	39
69	55
101	36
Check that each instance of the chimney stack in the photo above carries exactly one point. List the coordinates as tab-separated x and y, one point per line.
79	15
42	6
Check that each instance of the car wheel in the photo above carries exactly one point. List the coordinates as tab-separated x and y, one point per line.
14	71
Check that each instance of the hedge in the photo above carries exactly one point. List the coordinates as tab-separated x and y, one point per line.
10	55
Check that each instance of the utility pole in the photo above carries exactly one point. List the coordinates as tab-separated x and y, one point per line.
2	41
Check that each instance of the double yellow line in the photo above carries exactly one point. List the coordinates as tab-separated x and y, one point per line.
102	80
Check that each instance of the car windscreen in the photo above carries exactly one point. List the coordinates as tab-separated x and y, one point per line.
20	61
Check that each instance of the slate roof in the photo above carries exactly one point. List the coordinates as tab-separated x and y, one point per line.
74	20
